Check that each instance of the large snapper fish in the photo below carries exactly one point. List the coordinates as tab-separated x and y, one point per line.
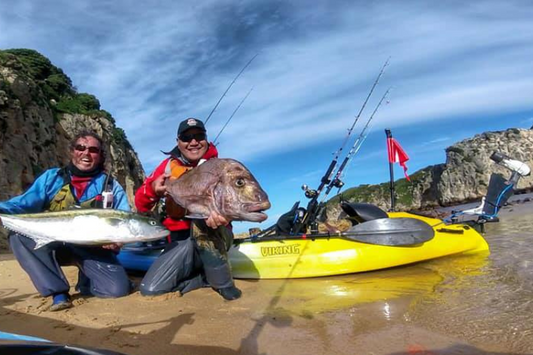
221	185
85	227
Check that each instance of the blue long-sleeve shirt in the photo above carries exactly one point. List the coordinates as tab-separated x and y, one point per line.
46	186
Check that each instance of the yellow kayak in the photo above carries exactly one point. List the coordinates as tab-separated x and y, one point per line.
301	258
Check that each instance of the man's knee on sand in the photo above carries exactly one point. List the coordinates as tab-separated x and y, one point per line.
151	289
114	290
172	270
110	282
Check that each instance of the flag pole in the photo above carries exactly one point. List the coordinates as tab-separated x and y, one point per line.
391	171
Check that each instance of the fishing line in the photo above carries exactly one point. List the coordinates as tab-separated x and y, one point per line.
336	182
229	87
313	205
233	114
339	152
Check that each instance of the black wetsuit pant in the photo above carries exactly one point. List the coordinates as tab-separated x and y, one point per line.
100	273
190	262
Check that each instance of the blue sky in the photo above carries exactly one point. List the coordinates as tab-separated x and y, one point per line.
457	69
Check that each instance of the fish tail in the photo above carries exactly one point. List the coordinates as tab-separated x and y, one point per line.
39	241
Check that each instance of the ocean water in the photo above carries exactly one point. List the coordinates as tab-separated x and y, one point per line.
485	300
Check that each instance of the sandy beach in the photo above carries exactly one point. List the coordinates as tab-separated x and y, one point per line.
370	313
201	322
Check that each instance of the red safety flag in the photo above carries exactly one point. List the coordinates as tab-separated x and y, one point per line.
397	155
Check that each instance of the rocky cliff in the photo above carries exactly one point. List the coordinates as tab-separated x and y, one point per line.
464	177
40	111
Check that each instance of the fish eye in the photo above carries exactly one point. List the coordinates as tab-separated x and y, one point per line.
153	223
240	182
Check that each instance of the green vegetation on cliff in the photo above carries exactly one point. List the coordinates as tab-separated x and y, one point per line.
361	193
54	83
374	193
60	95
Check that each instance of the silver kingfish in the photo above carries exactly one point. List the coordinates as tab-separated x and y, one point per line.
85	227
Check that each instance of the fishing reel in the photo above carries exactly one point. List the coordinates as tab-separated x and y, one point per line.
338	183
309	193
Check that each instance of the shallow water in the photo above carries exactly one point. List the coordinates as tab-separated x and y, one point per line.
483	300
495	305
492	303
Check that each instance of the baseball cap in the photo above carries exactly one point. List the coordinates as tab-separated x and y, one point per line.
190	123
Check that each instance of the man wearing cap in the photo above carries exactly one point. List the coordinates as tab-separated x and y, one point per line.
184	265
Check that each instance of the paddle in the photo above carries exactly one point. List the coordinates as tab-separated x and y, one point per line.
382	231
392	231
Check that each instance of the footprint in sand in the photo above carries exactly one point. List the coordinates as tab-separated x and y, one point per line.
79	301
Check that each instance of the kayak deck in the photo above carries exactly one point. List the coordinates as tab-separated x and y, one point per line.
303	258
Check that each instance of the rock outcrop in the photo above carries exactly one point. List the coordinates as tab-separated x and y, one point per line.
463	178
40	112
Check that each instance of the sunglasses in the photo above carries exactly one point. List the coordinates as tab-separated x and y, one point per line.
82	148
189	137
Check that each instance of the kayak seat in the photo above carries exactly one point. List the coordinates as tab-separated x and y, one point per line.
362	212
288	221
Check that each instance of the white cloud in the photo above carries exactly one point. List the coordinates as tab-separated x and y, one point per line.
156	63
435	141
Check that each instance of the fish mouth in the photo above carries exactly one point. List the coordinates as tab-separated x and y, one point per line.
254	212
255	216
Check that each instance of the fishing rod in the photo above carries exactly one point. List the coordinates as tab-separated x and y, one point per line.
336	181
327	176
362	109
311	212
230	117
318	208
229	87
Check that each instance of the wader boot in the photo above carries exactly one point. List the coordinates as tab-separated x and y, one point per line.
60	302
213	245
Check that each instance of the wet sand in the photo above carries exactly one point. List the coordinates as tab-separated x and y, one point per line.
453	305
